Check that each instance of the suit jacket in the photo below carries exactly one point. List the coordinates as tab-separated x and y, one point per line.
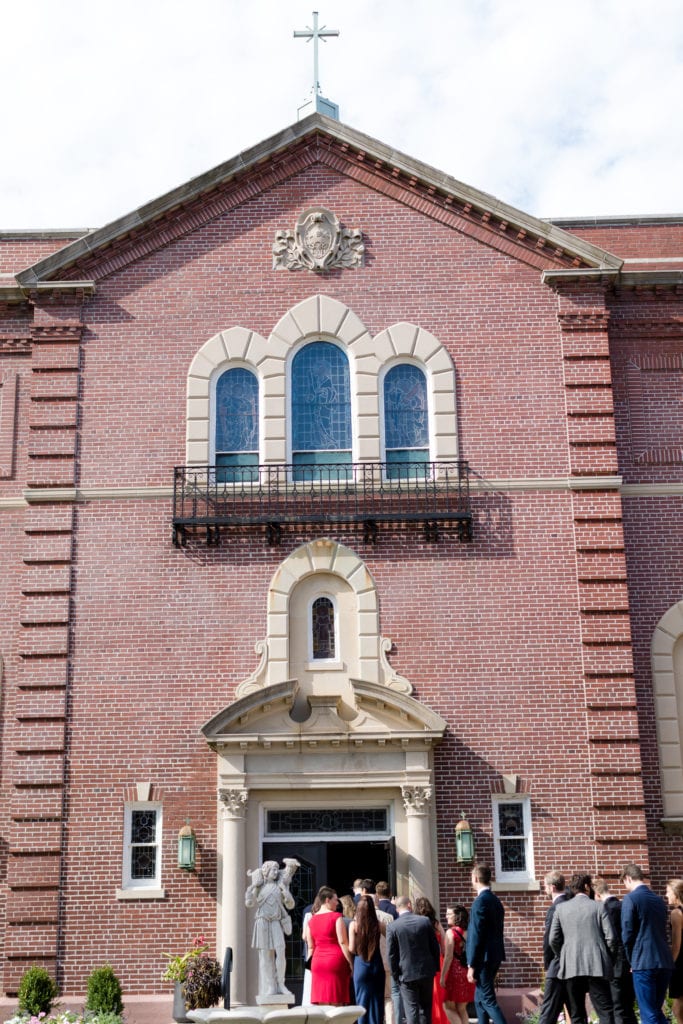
412	948
551	962
485	931
643	930
613	907
581	934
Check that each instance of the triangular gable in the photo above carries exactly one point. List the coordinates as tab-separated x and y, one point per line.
318	139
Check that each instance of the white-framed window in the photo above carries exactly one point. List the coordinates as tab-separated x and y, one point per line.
142	845
513	841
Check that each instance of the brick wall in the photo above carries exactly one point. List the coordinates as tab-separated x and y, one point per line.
521	640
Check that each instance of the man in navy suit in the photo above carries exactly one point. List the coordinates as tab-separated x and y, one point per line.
485	947
414	959
643	930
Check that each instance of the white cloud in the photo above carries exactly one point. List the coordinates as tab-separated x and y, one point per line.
559	109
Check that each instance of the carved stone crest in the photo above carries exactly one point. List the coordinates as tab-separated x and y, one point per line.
318	243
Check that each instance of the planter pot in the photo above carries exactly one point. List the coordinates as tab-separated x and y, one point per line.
179	1011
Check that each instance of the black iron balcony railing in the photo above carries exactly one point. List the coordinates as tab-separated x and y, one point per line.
209	500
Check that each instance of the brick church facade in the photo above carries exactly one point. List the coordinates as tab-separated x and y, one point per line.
338	500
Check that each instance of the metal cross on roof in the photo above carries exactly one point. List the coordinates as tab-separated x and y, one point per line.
315	34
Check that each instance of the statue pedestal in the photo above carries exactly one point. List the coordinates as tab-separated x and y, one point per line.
277	1001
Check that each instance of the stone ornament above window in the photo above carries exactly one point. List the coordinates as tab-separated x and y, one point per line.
318	243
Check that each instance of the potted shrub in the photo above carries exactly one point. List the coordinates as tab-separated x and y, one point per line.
197	979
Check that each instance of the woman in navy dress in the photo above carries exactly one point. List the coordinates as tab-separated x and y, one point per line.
368	968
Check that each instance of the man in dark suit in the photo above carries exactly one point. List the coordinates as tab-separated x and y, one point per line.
643	931
413	953
621	985
554	994
485	947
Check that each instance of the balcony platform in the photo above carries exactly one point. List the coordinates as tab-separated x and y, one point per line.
210	502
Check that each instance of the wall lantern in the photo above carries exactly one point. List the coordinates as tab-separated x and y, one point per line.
464	841
187	847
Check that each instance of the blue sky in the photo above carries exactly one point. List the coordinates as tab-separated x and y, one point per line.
561	109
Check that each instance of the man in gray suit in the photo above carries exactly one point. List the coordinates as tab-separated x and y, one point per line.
414	958
581	934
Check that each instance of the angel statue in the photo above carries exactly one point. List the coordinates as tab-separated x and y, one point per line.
269	893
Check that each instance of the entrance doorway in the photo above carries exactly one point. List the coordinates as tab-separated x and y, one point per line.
335	863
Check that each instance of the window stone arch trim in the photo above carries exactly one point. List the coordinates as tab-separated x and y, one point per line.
324	318
239	345
667	679
322	556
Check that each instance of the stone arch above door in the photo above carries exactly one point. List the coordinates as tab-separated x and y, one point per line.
331	559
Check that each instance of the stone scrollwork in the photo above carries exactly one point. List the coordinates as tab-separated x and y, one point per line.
416	798
318	243
234	802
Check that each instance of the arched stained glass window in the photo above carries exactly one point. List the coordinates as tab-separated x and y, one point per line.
323	641
237	440
406	421
321	410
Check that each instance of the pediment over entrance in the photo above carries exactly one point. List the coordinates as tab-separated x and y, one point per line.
381	717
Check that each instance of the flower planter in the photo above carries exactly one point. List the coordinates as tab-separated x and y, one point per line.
179	1011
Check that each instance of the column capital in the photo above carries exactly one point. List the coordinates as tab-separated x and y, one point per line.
416	799
234	801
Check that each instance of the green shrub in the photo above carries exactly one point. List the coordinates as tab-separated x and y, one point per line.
104	992
37	991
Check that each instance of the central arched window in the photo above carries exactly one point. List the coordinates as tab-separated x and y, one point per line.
320	411
237	434
406	421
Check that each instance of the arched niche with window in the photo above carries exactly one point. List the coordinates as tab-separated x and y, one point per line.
236	425
405	409
320	404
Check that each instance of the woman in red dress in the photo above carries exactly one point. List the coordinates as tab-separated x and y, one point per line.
328	946
457	990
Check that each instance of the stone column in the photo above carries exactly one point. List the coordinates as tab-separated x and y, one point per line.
233	884
416	800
